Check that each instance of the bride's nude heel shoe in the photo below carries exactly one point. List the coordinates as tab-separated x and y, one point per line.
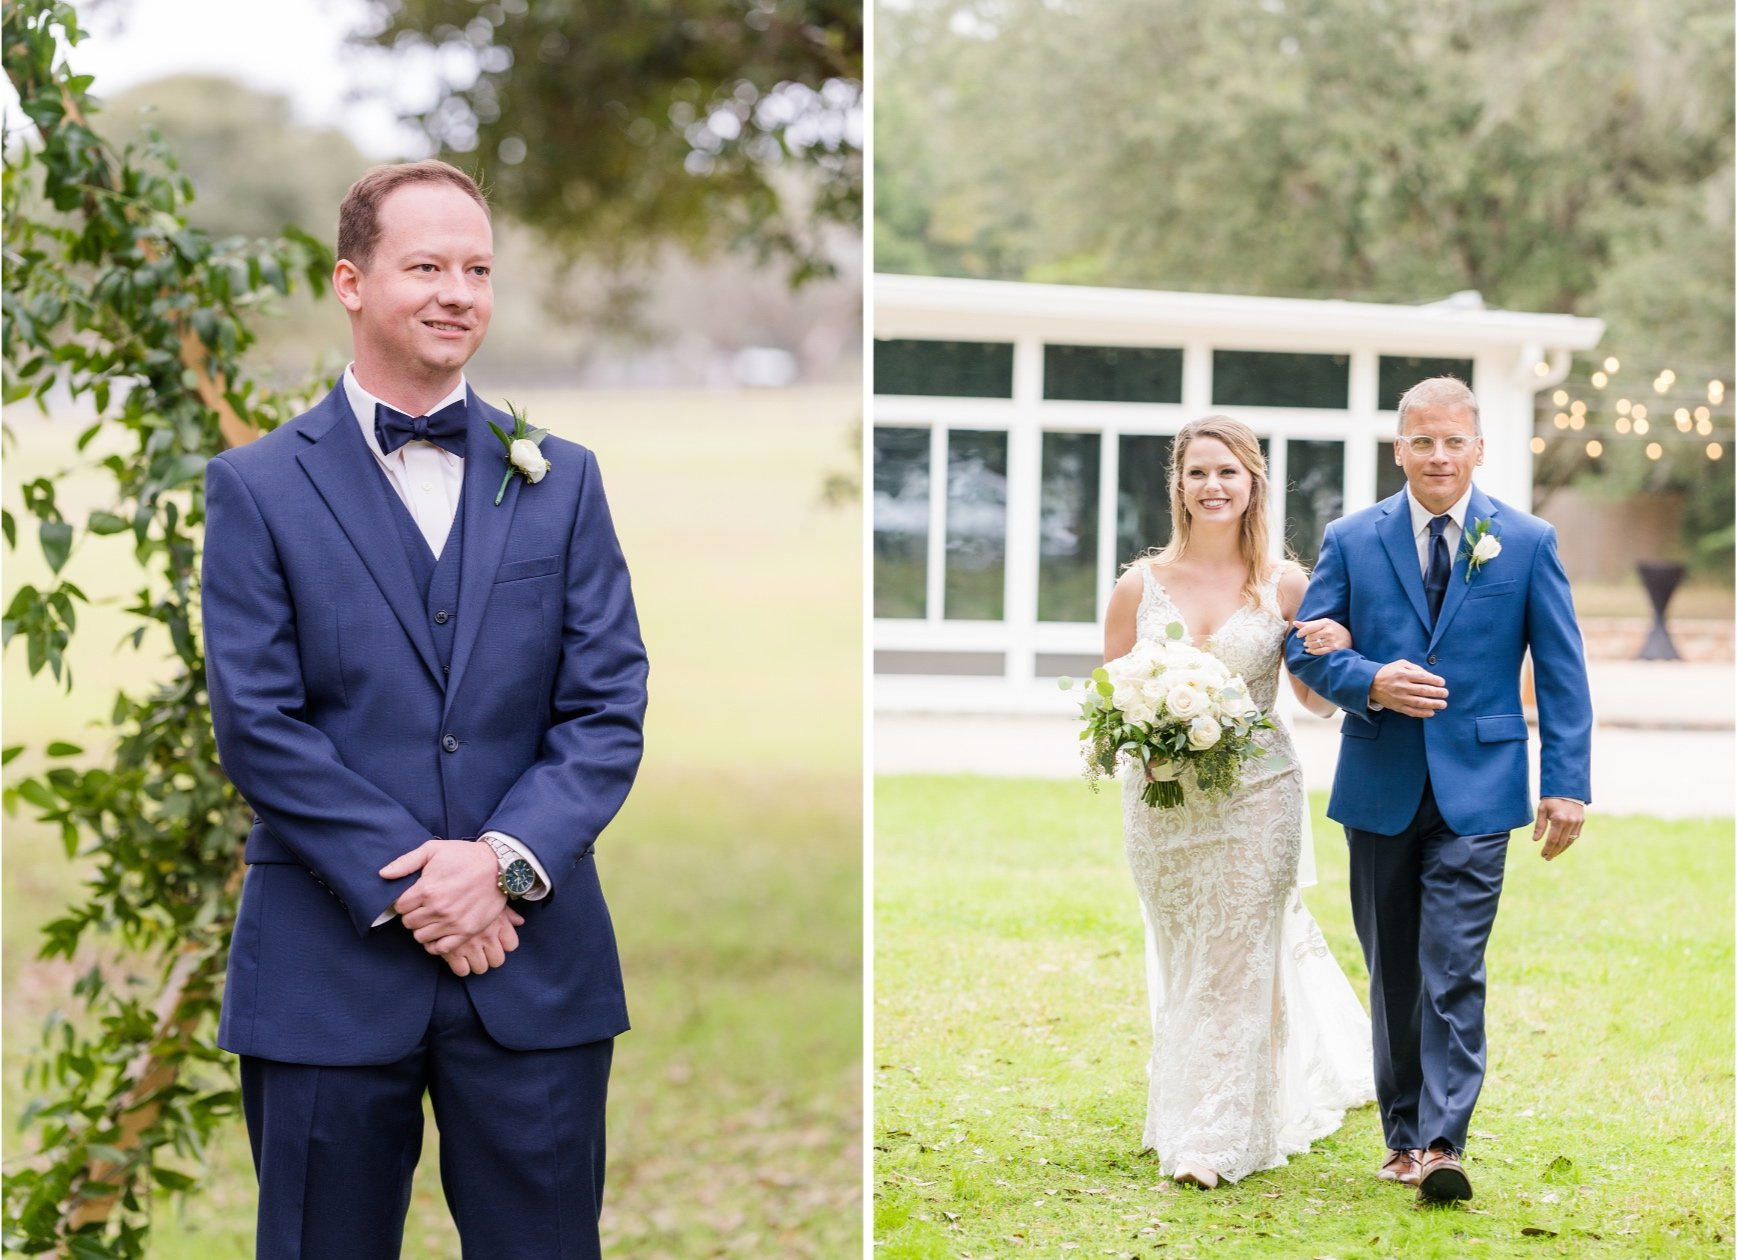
1196	1175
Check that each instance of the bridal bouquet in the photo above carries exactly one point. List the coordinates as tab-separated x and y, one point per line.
1169	707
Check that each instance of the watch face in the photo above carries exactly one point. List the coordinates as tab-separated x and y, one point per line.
518	877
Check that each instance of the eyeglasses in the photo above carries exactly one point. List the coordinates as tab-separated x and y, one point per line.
1453	444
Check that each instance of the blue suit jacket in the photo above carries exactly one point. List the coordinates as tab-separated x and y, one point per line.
1474	752
333	720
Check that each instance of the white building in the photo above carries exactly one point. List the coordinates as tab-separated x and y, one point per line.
1022	432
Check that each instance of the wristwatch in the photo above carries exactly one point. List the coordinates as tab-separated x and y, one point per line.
516	877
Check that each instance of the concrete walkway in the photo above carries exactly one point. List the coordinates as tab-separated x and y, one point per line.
1664	744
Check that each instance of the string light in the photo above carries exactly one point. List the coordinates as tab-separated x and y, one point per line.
1715	392
1599	379
1714	450
1541	368
1663	381
1560	397
1622	424
1654	450
1611	365
1701	413
1577	407
1682	416
1577	423
1537	446
1640	411
1623	406
1595	448
1561	420
1703	427
1640	424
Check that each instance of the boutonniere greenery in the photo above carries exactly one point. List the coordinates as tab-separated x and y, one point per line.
523	457
1479	546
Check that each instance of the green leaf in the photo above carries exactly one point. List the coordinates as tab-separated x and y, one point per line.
56	543
60	748
506	442
106	523
169	1179
10	527
9	753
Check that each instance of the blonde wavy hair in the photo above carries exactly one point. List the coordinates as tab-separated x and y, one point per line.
1252	540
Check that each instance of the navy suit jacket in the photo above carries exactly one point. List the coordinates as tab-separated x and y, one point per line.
1473	752
336	723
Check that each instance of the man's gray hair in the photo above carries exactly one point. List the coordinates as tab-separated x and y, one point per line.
1440	391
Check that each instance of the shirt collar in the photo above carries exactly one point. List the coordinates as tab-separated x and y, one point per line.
362	404
1421	516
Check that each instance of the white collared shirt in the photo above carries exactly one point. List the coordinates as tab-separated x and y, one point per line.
428	479
1420	519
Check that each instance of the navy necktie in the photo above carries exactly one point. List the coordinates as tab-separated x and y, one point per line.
445	428
1435	578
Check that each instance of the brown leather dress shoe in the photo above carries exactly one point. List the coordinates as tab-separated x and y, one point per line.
1441	1179
1400	1166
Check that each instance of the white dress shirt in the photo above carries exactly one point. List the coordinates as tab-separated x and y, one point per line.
1420	519
429	479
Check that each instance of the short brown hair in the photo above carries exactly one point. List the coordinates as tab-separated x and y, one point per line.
1440	391
359	215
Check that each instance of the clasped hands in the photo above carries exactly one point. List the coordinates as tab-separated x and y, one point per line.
457	910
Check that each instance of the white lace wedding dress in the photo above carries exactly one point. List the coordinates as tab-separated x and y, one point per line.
1258	1043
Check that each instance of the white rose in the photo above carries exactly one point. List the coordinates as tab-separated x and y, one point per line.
1238	703
1186	702
1203	733
525	456
1140	710
1488	548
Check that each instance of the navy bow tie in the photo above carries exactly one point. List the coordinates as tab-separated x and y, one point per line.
445	428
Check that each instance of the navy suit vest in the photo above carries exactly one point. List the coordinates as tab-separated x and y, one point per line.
436	580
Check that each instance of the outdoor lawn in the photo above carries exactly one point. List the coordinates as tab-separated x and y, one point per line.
733	874
1011	1042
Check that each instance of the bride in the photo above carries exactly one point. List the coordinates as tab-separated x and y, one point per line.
1258	1043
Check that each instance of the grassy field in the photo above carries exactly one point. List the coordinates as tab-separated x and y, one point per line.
1011	1039
734	872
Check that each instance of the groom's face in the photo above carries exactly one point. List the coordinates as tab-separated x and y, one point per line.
1439	476
422	305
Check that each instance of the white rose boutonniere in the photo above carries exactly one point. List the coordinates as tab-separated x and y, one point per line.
522	453
1480	546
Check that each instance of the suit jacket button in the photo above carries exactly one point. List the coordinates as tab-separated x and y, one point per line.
449	742
1432	658
440	617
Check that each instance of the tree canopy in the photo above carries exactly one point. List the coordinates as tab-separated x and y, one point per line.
616	126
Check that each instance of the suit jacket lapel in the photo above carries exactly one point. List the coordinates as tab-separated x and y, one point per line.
1401	546
486	529
1478	507
342	469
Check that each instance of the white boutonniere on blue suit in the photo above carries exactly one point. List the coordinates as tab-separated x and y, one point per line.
1479	546
523	457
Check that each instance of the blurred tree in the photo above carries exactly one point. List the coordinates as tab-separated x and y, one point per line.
254	167
614	126
1553	155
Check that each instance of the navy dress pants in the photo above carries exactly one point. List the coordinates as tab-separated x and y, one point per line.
1424	902
521	1145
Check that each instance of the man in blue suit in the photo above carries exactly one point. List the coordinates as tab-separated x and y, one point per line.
432	698
1444	590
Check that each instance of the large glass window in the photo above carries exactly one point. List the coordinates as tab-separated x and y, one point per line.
1067	546
1145	374
1389	476
1266	378
1314	495
947	369
1142	494
901	521
976	572
1399	374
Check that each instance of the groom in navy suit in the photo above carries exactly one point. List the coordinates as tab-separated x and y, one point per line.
1444	590
432	699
